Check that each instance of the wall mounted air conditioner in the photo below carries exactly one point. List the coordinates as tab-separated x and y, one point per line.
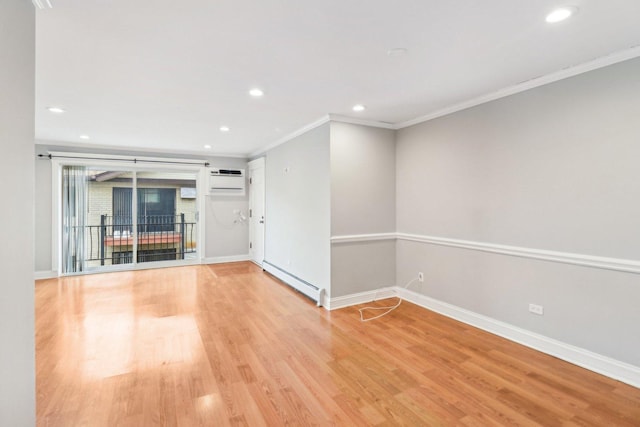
226	182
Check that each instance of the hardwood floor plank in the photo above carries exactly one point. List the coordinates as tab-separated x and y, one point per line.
229	345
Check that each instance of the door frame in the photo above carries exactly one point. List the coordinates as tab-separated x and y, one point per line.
256	165
119	162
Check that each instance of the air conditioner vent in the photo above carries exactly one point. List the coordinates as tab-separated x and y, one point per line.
227	172
226	182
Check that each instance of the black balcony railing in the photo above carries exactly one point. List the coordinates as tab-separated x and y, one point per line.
159	238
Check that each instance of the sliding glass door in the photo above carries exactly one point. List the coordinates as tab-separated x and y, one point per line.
166	216
121	218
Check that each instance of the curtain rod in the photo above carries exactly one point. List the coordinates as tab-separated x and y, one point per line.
134	160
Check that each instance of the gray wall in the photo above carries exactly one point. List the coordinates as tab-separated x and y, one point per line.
297	217
17	82
362	202
43	222
553	168
363	184
223	237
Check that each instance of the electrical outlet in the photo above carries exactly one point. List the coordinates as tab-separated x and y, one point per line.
536	309
421	277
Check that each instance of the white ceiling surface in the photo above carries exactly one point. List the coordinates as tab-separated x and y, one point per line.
166	74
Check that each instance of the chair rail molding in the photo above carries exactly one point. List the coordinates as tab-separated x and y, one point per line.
615	264
606	263
356	238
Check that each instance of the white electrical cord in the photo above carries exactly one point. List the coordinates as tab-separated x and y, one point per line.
389	308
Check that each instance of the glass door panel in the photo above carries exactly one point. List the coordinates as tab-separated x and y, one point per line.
109	218
167	226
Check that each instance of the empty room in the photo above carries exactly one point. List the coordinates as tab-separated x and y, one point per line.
350	213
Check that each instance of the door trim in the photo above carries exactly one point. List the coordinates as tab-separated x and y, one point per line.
253	165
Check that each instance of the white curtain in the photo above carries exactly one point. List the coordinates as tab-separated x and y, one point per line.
74	210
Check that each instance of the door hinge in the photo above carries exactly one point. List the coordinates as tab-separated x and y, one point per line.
250	245
250	180
250	213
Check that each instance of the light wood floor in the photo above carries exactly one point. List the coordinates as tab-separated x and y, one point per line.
230	345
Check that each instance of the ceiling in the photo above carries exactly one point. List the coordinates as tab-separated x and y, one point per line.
165	75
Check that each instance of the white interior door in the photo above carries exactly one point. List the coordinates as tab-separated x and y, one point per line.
256	210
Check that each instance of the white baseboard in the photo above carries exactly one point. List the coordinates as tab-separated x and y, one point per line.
595	362
312	291
223	259
604	365
40	275
360	298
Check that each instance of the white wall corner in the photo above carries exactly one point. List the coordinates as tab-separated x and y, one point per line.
604	365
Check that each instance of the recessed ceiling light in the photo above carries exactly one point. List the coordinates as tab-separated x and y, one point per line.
224	129
397	51
359	107
561	14
207	146
84	136
256	93
56	110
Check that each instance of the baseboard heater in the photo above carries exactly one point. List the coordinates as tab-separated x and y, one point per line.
304	287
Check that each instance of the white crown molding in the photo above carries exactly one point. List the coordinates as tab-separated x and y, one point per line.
355	238
604	365
292	135
363	122
325	119
600	62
